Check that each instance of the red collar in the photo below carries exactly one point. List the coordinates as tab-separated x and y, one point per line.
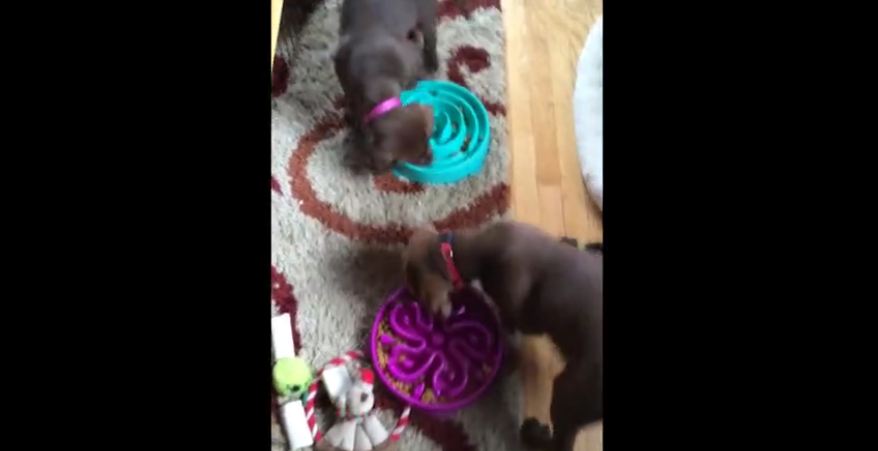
447	252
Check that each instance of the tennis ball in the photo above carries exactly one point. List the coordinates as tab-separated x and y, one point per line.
291	376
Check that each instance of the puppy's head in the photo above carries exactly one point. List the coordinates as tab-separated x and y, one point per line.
425	275
402	134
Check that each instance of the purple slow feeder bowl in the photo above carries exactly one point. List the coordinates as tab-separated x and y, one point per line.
434	365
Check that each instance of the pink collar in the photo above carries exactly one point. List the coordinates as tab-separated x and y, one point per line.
383	107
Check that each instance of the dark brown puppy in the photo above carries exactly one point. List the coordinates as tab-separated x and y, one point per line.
385	47
540	286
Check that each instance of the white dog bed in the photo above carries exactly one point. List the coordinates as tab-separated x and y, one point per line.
588	108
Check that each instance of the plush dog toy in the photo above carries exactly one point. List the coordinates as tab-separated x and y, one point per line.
358	428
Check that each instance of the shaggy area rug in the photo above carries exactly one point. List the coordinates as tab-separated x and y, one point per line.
336	237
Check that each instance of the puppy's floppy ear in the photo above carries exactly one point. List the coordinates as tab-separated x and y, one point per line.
427	112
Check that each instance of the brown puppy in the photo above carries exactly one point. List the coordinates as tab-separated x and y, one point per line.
540	286
385	47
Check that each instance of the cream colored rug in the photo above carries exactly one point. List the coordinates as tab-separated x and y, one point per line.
336	236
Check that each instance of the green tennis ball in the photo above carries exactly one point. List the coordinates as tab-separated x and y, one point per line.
291	376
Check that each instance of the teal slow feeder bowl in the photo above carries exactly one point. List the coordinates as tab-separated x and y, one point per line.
461	133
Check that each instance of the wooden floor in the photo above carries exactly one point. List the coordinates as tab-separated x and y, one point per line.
543	42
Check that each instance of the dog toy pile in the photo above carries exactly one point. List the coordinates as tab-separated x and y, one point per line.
461	133
436	365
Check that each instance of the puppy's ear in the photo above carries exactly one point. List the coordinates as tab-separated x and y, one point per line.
427	112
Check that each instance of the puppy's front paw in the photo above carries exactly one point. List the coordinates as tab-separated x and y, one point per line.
535	434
